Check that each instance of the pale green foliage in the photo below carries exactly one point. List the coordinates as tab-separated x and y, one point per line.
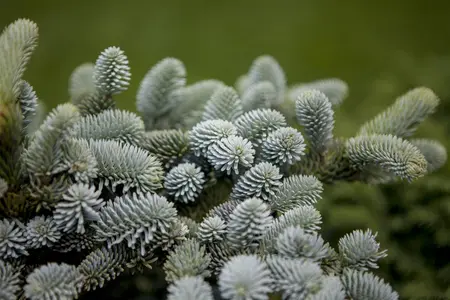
207	133
42	232
191	224
80	204
262	180
81	82
248	222
224	210
433	151
17	43
154	97
211	182
211	229
242	83
187	259
111	72
190	102
360	250
102	265
78	160
190	288
28	104
13	240
113	124
130	166
404	116
44	154
167	145
305	216
92	87
255	125
364	285
185	182
295	278
296	190
266	68
231	154
283	146
9	281
331	289
335	89
53	282
314	112
95	103
74	241
390	153
224	104
259	95
135	219
294	242
245	277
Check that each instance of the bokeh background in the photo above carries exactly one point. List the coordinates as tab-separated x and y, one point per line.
380	48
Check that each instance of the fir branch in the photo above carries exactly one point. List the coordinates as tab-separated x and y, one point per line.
185	182
154	97
262	180
42	232
404	116
294	242
259	95
295	278
266	68
168	146
130	166
190	288
248	223
28	104
315	114
365	285
360	250
207	133
13	240
305	216
102	265
224	104
335	89
80	204
43	156
190	102
433	151
81	82
255	125
17	43
187	259
53	281
245	277
112	72
211	230
283	147
9	281
296	190
392	154
135	219
231	154
115	124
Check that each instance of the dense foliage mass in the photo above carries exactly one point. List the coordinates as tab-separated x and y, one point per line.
214	186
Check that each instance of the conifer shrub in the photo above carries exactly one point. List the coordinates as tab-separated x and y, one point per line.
209	189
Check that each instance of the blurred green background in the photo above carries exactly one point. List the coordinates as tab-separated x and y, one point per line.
380	48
